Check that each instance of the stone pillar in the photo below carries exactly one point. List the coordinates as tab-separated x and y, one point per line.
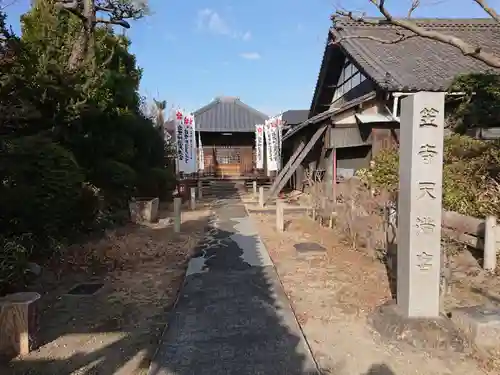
200	189
177	214
490	245
254	185
261	196
419	204
280	221
193	198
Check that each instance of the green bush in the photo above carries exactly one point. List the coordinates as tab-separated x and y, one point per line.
13	262
116	180
470	175
156	182
42	187
114	175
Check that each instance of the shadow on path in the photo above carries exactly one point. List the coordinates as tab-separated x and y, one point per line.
232	316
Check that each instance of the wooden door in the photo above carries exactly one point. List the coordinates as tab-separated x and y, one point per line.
246	160
228	161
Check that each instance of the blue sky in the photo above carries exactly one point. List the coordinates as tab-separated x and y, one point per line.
267	52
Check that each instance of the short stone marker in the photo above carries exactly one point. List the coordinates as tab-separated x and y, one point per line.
18	323
309	248
200	189
261	196
144	210
177	214
280	221
419	204
490	246
254	186
481	325
193	198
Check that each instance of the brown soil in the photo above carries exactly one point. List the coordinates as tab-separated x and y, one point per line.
333	294
115	331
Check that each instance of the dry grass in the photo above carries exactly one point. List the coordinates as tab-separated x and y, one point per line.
115	331
332	295
339	267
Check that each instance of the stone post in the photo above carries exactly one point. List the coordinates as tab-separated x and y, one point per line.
254	185
490	251
261	196
192	201
280	222
177	214
200	189
419	204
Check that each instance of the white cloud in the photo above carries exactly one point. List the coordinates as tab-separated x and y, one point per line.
211	21
250	55
247	36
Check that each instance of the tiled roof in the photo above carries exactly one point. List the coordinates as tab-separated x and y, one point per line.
416	63
295	116
228	114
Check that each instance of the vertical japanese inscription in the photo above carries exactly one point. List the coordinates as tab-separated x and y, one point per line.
427	190
427	152
424	261
425	225
428	117
180	135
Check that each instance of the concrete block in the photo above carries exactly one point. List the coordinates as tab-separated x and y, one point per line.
480	324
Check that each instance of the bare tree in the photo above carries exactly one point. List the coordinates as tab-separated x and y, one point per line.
160	118
6	3
413	29
114	12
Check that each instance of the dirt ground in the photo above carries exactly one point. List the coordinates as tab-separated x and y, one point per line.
334	292
115	331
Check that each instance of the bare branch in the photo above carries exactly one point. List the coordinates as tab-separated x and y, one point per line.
414	5
352	16
4	5
103	9
375	39
120	22
488	9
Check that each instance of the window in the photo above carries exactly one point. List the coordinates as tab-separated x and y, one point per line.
349	78
228	155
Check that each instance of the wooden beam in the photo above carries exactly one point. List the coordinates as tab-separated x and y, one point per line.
279	184
287	166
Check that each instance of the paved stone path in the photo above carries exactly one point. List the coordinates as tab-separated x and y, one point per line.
232	316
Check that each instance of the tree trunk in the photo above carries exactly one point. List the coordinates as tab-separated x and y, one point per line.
84	46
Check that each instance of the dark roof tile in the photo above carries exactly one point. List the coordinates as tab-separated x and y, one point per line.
228	114
295	116
416	63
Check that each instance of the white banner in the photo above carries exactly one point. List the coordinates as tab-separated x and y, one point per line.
185	142
201	154
271	128
272	144
268	145
279	123
180	142
190	142
259	146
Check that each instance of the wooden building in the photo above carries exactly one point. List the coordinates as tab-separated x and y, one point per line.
227	129
356	103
